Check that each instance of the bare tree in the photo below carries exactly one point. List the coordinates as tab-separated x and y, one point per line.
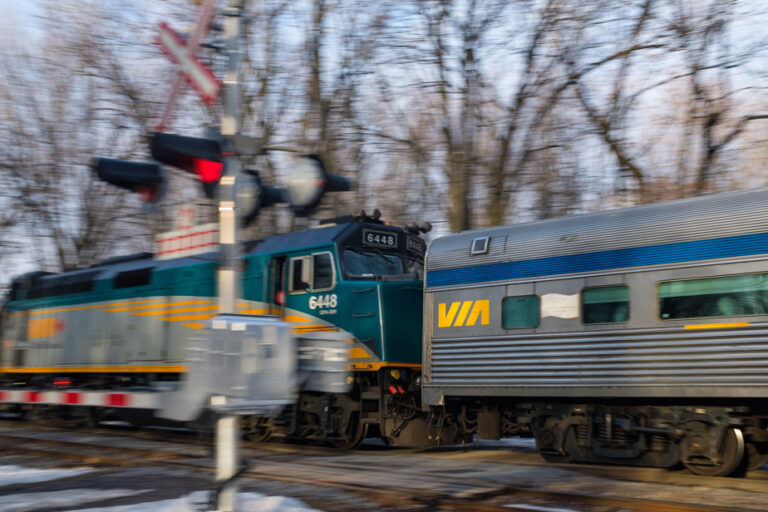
65	102
694	80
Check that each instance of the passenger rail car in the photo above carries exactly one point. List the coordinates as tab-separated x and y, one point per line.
121	325
635	336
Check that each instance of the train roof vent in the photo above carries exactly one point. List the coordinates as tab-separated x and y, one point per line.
480	245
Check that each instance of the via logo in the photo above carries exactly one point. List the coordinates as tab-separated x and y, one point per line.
465	313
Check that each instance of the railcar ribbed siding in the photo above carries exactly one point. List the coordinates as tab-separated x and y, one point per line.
641	358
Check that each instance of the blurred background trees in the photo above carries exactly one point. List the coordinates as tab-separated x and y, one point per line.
466	113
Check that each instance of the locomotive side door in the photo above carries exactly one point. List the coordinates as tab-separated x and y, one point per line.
311	282
276	286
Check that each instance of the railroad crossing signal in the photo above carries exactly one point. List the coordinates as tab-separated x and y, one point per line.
309	181
192	154
194	71
148	179
192	42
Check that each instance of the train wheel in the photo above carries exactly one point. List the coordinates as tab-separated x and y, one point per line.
357	432
731	455
258	429
756	454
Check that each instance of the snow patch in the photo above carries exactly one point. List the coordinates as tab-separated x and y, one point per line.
65	498
250	502
537	508
11	475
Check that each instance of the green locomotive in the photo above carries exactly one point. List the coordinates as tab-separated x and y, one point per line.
122	324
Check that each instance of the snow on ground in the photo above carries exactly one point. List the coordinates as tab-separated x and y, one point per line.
537	508
25	501
519	442
246	502
10	475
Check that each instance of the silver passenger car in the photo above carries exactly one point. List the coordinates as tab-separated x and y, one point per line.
637	335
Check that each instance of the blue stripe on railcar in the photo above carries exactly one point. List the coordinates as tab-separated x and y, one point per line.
727	247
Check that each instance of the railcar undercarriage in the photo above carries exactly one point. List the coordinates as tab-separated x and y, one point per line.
383	403
708	440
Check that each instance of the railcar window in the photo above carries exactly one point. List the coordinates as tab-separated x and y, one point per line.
605	304
322	273
520	312
718	296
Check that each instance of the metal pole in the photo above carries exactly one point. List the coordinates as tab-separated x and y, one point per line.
227	457
229	283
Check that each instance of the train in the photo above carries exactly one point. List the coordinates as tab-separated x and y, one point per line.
636	336
116	331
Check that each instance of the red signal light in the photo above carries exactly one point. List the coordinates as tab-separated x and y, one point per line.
207	170
148	193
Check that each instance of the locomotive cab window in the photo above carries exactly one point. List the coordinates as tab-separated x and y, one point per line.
300	274
605	304
313	273
322	271
719	296
520	312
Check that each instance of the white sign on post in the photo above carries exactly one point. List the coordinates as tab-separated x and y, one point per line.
187	242
195	72
192	42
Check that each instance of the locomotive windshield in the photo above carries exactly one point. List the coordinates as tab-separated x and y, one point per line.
366	263
376	251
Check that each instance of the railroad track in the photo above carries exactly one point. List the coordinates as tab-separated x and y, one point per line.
416	485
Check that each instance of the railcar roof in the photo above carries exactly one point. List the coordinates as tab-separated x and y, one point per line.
715	217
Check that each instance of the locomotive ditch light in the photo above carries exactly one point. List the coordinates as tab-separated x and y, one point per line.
308	181
199	156
252	195
416	229
145	178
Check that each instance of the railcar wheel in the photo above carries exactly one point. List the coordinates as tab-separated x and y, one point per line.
357	433
731	455
756	454
258	429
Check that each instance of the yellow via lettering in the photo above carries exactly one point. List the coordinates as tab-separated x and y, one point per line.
465	313
446	319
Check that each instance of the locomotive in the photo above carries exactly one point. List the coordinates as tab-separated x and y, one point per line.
635	336
121	325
